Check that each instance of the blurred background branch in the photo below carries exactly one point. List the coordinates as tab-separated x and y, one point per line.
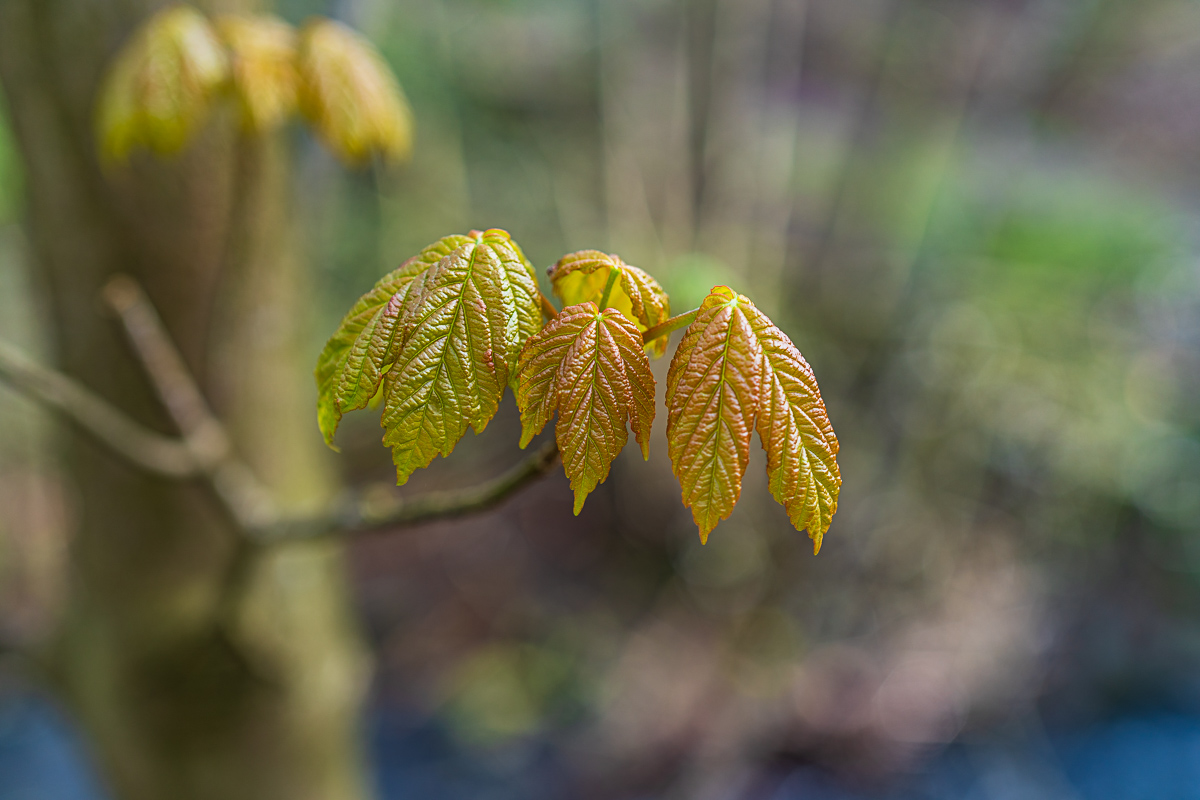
205	448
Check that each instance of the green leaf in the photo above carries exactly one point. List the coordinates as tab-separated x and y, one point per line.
354	360
159	90
351	97
262	50
712	395
591	367
464	322
580	277
794	429
735	371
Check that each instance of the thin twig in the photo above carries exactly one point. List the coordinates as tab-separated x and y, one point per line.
204	450
165	366
368	511
248	501
141	446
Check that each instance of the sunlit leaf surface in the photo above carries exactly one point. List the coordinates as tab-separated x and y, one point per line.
464	321
351	367
734	371
580	278
591	367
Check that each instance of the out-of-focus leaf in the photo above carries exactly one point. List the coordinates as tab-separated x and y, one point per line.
591	366
159	90
351	367
734	371
580	278
351	97
465	320
262	52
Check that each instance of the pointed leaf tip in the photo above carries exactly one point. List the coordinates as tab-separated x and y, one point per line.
735	371
591	367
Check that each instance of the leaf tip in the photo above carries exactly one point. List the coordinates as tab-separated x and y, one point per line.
704	535
816	540
328	417
580	497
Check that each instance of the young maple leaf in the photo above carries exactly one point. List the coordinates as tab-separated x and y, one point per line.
591	366
463	323
262	50
158	92
352	365
734	371
351	97
581	277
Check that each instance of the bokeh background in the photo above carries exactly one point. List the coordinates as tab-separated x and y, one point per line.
978	221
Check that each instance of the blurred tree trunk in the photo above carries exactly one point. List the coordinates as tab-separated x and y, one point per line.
178	706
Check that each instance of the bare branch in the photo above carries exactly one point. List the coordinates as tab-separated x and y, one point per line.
165	366
205	449
236	484
369	511
143	447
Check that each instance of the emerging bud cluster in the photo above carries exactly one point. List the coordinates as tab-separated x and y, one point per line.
179	65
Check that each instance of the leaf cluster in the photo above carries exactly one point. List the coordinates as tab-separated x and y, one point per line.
440	338
179	64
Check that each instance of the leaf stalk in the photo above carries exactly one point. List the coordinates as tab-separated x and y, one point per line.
608	287
670	326
548	309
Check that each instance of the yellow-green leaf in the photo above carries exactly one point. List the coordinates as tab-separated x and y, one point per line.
465	320
794	429
712	396
351	367
262	51
351	97
581	277
159	90
590	366
734	371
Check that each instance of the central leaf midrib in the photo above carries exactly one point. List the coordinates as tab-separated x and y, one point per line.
441	361
733	308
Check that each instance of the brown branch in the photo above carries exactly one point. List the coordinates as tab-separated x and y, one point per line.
239	489
368	511
205	449
165	366
139	445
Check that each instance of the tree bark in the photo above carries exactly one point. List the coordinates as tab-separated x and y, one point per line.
177	704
